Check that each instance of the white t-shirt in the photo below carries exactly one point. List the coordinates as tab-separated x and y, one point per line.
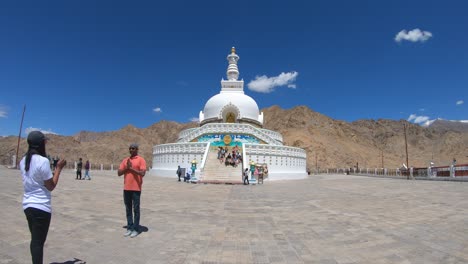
36	194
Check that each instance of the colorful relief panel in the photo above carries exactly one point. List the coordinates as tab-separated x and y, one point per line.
230	140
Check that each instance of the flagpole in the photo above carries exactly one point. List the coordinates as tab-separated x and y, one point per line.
19	137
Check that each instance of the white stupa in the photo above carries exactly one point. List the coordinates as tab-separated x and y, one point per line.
229	119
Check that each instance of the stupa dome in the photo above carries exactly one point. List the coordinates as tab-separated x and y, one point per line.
244	108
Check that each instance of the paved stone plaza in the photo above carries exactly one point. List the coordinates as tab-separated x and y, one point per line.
323	219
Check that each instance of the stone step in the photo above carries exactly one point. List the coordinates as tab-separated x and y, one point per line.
216	172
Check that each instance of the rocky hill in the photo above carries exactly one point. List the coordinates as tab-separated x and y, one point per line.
329	143
446	125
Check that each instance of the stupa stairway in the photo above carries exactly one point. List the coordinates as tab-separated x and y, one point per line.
216	172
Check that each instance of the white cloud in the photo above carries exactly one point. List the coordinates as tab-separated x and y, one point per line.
460	102
411	117
421	120
264	84
194	119
157	110
30	129
428	123
3	111
414	35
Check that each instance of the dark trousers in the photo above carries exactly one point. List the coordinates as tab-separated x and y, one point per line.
132	201
78	173
38	222
246	179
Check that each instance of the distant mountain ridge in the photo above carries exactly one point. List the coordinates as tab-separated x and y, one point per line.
329	143
446	125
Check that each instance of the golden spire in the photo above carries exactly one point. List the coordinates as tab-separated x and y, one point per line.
233	50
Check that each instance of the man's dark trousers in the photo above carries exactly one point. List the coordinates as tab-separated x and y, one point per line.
132	201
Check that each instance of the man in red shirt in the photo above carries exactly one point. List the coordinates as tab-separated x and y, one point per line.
133	168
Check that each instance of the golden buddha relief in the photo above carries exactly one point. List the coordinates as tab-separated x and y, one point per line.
230	118
227	140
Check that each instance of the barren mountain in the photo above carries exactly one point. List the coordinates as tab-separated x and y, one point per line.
329	143
445	125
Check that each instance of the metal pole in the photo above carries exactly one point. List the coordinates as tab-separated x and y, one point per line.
381	151
316	164
19	137
406	147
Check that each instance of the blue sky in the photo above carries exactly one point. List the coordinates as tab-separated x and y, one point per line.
100	65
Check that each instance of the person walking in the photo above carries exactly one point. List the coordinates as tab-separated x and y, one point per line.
38	182
79	167
246	176
86	170
134	169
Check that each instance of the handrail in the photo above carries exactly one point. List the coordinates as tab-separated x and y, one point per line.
243	158
202	165
273	134
184	132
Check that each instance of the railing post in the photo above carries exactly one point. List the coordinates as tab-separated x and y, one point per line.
13	161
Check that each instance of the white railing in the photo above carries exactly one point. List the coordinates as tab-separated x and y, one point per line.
285	151
459	172
277	136
185	132
174	148
271	138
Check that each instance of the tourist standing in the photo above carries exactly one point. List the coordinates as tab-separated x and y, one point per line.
79	167
260	174
265	170
179	172
86	169
134	169
256	173
194	167
38	182
252	169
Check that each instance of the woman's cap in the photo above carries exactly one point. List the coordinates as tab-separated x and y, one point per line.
36	138
134	145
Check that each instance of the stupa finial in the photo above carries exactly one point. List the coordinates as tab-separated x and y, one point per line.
232	71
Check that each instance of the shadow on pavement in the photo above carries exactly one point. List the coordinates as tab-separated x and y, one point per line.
142	228
74	261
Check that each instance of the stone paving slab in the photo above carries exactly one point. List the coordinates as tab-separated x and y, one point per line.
323	219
